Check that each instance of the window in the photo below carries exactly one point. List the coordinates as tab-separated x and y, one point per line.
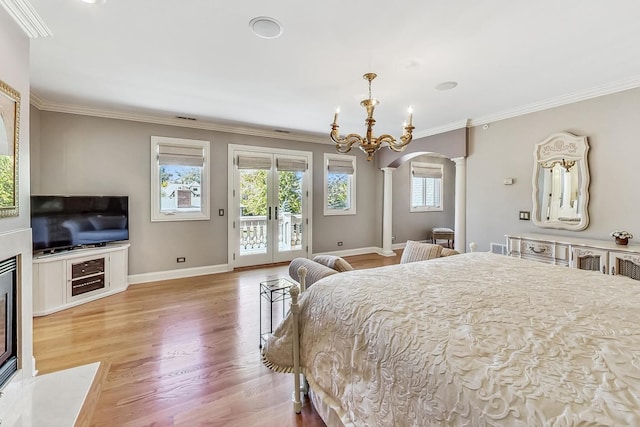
339	184
179	179
426	187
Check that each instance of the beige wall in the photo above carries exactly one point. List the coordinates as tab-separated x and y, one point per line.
505	150
77	154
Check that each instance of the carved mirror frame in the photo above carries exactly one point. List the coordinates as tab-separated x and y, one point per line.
569	151
9	131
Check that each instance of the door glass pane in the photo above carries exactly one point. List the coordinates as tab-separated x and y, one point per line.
253	211
290	226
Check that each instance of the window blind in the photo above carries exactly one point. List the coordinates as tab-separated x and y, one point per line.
420	171
341	166
180	155
249	162
292	165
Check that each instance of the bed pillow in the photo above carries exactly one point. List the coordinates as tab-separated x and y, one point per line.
418	251
335	262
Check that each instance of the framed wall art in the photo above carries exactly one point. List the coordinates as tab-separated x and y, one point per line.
9	131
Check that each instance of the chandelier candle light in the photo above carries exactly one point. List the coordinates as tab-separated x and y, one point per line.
370	144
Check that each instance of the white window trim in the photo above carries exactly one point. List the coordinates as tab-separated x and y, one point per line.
352	210
156	214
426	208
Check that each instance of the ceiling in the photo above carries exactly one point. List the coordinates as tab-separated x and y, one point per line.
200	59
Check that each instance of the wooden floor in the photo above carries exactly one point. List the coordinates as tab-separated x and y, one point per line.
177	352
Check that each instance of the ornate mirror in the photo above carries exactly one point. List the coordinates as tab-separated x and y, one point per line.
561	182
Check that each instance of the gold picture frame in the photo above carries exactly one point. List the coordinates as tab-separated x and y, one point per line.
9	131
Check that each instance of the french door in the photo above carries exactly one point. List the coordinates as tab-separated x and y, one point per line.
269	202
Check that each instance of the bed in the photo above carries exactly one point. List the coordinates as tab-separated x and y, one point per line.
471	340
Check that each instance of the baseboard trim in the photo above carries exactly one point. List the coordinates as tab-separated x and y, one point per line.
177	274
351	252
223	268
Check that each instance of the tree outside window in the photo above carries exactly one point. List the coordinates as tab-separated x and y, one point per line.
339	184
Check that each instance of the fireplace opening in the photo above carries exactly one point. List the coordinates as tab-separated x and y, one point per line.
8	319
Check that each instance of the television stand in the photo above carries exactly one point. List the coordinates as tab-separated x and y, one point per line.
66	279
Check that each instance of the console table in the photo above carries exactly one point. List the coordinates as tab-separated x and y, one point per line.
585	254
66	279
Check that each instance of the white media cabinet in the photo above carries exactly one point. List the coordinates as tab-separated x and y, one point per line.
585	254
66	279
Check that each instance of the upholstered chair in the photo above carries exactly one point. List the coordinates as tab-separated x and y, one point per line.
315	271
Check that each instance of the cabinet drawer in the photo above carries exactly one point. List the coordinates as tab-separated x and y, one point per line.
538	249
86	268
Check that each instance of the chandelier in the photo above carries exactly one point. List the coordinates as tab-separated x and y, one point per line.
370	144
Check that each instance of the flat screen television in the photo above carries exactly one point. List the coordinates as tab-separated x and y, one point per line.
67	222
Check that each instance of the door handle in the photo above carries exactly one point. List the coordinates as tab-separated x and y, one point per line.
276	218
269	213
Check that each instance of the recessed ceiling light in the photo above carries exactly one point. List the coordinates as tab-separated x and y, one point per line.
446	85
89	1
265	27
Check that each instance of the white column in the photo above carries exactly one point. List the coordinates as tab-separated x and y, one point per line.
461	204
387	216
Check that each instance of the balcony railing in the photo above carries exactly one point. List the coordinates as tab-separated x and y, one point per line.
254	233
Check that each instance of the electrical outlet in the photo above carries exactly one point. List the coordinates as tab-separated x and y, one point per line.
181	259
339	243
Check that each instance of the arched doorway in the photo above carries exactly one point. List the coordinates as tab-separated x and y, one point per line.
451	145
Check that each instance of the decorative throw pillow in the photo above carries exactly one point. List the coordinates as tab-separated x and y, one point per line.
335	262
448	252
418	251
342	265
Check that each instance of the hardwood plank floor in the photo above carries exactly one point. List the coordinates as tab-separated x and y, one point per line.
178	352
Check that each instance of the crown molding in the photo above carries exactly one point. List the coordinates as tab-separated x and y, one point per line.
36	100
606	89
43	105
442	129
27	18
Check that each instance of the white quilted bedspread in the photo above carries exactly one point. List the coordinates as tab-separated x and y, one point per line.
471	340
